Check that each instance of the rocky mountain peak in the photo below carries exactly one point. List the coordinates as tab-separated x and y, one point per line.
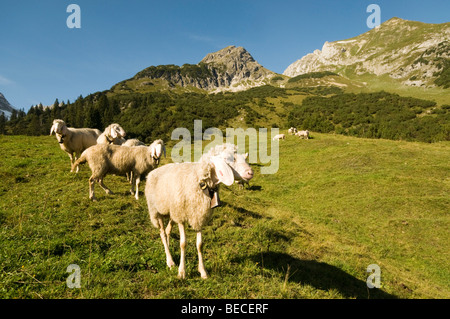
229	69
227	55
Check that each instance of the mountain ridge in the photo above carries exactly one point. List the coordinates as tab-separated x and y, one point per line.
229	69
413	52
5	106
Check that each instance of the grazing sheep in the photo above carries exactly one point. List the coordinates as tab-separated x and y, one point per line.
279	137
74	140
187	193
113	134
303	134
115	159
292	130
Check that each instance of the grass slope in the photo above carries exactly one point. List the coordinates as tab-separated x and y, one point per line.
336	205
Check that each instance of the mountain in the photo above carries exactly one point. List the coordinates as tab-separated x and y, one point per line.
414	53
230	69
5	106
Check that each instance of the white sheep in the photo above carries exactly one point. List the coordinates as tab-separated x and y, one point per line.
187	193
303	134
279	137
114	159
133	142
74	140
238	162
292	130
113	134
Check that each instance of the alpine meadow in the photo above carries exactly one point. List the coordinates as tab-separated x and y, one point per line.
370	186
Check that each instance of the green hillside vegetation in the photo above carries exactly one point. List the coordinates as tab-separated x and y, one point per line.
336	205
152	115
311	75
373	115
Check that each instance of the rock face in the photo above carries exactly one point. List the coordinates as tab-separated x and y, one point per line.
413	52
232	68
5	107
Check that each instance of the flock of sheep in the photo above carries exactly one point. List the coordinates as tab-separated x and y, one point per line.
180	192
293	131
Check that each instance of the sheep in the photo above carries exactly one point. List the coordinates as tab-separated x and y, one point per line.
238	162
303	134
292	130
74	140
113	134
187	193
115	159
133	142
279	137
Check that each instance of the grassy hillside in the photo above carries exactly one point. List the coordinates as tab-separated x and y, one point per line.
336	205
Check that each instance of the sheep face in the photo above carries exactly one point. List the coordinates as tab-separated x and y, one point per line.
60	129
156	150
116	131
241	168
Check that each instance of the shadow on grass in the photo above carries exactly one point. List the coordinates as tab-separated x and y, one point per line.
318	275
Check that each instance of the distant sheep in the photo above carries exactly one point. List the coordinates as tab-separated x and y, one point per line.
106	159
292	131
187	193
74	140
113	134
303	134
279	137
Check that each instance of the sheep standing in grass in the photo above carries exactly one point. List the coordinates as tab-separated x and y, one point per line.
303	134
113	134
132	142
279	137
74	140
187	193
114	159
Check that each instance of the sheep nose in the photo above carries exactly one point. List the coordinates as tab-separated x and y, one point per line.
249	174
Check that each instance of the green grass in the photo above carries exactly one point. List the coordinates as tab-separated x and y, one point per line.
336	205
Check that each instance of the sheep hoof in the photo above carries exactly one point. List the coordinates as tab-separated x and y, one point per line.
204	275
170	263
181	275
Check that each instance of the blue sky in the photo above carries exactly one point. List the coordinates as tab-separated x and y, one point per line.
41	59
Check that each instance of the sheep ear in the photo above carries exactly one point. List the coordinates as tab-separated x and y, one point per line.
52	129
112	131
223	171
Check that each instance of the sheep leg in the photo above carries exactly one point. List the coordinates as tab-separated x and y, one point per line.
138	180
72	161
168	230
133	182
182	267
91	189
105	188
201	267
162	233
